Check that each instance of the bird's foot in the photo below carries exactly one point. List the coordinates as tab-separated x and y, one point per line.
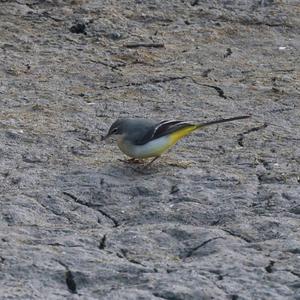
132	161
151	162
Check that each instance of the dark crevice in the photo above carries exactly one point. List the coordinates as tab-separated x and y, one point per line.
217	221
47	15
150	81
102	244
238	235
174	189
240	140
69	278
111	66
280	110
79	28
260	178
255	128
115	222
273	25
93	206
144	45
252	22
77	200
73	197
160	296
218	89
124	254
295	273
242	135
220	92
228	52
191	251
71	284
194	2
206	72
62	245
268	178
269	267
171	270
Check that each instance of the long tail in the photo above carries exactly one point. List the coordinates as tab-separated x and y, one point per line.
222	121
188	128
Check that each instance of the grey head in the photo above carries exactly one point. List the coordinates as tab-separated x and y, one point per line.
117	128
130	128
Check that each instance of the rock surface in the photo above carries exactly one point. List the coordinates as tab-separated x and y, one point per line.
217	217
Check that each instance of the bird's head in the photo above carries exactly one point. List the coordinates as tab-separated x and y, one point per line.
116	129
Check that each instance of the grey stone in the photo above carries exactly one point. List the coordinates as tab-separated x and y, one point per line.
217	217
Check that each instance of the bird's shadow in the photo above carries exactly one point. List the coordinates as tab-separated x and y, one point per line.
140	168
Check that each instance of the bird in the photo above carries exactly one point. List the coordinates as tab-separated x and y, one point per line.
141	138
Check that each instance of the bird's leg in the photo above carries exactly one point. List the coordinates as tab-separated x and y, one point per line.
135	161
152	161
132	160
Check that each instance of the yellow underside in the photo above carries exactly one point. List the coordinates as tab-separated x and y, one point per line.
148	150
176	136
172	140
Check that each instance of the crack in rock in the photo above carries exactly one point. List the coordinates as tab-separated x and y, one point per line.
220	91
247	240
191	251
124	254
269	267
102	244
71	284
228	52
145	45
115	222
241	136
150	81
111	66
195	2
295	273
69	278
93	206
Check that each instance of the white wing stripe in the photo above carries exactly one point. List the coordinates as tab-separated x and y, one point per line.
166	122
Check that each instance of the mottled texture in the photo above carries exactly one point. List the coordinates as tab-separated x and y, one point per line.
218	217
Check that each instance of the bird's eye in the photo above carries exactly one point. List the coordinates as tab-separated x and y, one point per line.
115	130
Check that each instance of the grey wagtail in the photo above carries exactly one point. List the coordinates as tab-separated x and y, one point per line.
141	138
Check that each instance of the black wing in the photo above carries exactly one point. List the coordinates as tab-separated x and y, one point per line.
162	128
